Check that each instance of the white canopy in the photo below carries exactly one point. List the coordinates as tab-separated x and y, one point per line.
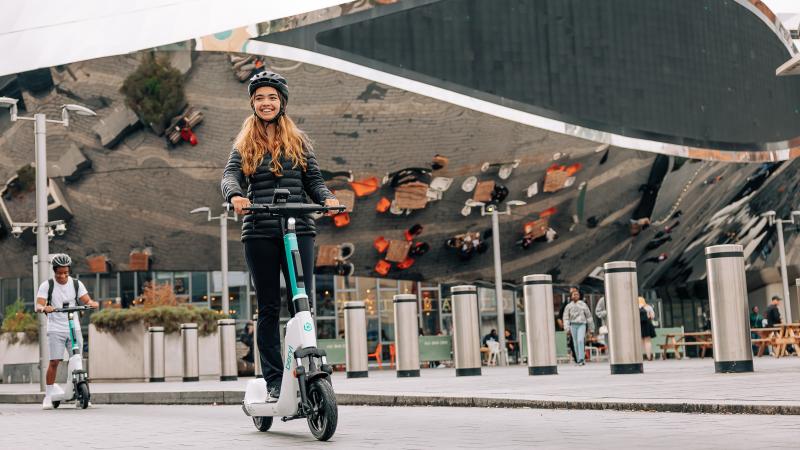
42	33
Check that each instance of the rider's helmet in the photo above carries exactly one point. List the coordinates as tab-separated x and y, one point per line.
271	79
61	260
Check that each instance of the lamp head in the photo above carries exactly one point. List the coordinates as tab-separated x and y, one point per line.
516	203
203	209
12	104
77	109
770	215
61	228
16	231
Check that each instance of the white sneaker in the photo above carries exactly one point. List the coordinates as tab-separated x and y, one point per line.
47	403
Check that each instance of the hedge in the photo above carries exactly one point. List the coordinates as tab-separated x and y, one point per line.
169	317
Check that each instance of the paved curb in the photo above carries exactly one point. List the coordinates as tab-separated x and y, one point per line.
235	398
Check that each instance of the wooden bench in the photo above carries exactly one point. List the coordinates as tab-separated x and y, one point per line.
675	341
660	341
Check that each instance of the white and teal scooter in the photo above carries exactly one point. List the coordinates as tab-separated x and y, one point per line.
306	390
77	386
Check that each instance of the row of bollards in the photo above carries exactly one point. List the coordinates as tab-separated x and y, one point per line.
730	326
191	352
727	298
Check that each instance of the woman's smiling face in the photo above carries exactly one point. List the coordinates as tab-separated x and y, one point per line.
266	103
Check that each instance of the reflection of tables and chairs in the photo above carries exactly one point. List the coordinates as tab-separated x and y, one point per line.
788	336
678	341
377	355
766	338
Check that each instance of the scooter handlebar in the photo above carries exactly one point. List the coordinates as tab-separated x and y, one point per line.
291	209
70	309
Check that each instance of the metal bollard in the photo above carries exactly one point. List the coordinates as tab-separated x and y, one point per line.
355	331
624	327
406	326
227	349
539	322
156	354
727	298
466	337
256	355
191	355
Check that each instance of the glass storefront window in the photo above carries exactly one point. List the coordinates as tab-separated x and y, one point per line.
126	288
180	284
107	289
386	293
429	312
27	294
90	281
326	329
325	306
199	287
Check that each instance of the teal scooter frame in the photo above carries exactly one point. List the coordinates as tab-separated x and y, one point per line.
306	390
77	386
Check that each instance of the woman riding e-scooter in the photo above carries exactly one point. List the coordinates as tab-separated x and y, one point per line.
270	152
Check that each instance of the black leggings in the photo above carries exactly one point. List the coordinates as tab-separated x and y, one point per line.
266	259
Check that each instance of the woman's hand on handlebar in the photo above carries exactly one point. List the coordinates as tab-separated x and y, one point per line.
48	309
331	202
93	304
239	203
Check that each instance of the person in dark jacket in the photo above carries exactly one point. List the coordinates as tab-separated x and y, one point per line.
269	153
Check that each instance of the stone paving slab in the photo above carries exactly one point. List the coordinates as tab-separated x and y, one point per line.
669	386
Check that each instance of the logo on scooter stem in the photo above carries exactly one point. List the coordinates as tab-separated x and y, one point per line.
307	326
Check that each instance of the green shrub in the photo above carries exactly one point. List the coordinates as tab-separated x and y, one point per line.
17	320
169	317
155	91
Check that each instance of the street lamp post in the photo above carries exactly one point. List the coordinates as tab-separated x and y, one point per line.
772	220
43	232
491	209
223	238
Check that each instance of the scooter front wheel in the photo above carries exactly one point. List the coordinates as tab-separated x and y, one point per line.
262	423
83	395
324	414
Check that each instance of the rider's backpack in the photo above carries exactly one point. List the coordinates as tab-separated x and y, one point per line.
51	285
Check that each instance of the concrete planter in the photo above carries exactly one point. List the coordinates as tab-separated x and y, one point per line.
18	353
125	356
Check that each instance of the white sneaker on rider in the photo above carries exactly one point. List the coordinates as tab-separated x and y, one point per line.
47	403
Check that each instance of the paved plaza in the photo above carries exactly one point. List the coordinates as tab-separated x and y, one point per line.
194	426
688	385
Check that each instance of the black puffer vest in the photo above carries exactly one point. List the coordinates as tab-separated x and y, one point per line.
304	187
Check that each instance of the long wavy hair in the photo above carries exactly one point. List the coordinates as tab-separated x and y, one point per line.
253	143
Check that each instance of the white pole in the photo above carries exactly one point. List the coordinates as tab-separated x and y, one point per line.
223	238
42	248
784	276
498	287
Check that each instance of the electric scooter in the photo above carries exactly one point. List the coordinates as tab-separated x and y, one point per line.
306	388
77	386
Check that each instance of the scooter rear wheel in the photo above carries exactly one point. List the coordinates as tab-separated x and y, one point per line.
83	395
262	423
55	404
324	414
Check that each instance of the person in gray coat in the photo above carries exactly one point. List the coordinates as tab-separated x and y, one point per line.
577	317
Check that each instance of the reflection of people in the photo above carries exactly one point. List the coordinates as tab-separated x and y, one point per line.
646	316
492	336
269	151
511	345
247	339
